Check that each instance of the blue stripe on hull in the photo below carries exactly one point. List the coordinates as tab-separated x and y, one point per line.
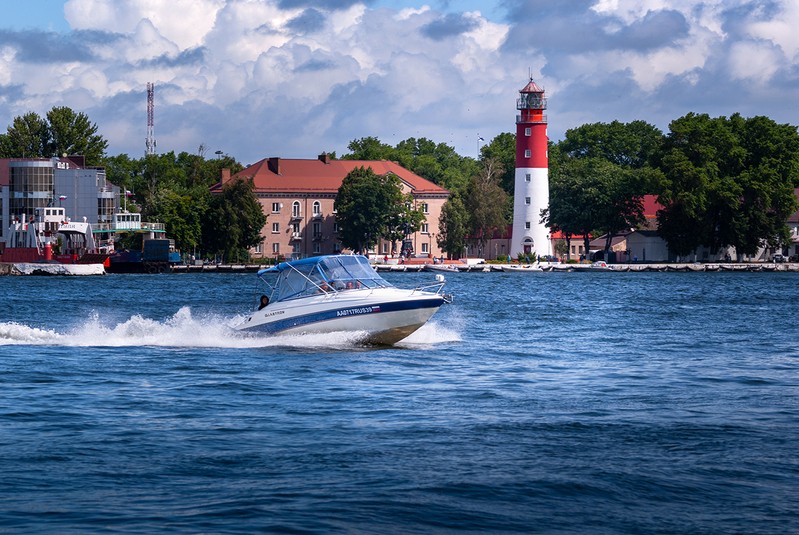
279	326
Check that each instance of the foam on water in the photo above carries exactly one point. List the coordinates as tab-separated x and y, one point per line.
185	329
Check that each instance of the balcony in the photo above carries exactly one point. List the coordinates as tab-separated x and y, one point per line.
529	120
296	236
296	216
317	236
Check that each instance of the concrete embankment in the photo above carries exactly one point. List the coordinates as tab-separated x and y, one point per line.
546	267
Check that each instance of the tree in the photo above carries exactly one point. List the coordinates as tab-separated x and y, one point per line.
486	202
369	148
63	132
630	145
453	227
27	137
727	182
366	206
502	149
437	162
404	221
234	220
73	133
182	215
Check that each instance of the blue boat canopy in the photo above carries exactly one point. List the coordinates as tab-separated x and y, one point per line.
321	274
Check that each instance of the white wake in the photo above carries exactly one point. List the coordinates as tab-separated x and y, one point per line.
184	329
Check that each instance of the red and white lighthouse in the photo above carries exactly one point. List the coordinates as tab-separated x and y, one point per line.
531	187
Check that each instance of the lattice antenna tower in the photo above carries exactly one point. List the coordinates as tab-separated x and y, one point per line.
149	143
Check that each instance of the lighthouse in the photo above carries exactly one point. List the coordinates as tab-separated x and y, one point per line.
531	186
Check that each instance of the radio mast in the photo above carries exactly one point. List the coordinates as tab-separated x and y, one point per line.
149	142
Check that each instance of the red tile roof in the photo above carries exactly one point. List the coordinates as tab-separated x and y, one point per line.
651	206
318	176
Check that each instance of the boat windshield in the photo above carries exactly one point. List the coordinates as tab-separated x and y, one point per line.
325	274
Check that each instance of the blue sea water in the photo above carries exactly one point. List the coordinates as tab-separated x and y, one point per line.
535	403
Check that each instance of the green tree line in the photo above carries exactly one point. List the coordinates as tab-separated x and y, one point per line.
725	181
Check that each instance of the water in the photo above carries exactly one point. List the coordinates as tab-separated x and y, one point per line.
547	402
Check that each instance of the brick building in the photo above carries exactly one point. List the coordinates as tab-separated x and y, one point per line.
297	197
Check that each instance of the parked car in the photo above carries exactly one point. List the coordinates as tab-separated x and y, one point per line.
778	258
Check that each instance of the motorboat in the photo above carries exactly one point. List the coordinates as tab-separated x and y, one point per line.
334	293
593	267
521	268
442	268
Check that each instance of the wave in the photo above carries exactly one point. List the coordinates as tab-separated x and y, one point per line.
184	329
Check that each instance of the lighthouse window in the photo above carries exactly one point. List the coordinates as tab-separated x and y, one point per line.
527	225
527	153
528	131
527	200
527	177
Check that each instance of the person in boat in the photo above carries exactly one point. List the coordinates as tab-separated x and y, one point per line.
264	302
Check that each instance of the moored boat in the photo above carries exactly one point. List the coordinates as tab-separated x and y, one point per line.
50	237
335	293
522	268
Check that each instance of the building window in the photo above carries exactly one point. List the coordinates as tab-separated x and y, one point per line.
527	177
295	209
295	228
424	248
527	200
275	228
528	131
335	227
385	248
275	207
336	247
527	153
527	225
425	228
276	247
317	248
317	230
317	208
258	247
425	208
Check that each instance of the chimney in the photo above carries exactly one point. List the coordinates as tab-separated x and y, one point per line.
274	165
225	175
324	158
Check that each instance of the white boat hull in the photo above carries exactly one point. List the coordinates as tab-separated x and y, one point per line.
521	269
386	316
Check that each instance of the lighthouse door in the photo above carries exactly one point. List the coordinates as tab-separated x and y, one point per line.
527	245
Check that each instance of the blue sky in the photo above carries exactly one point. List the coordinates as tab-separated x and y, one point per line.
292	78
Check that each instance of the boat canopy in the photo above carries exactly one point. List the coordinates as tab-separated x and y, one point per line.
321	274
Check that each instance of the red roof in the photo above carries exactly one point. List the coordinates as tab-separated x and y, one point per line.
324	175
531	87
651	206
559	235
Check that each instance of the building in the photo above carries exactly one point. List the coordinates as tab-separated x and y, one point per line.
30	183
531	183
298	195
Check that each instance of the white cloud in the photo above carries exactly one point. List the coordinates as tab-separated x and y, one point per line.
258	80
753	62
780	30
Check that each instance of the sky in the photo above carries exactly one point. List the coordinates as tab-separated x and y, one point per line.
295	78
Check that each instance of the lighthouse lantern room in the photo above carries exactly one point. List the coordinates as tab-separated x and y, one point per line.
531	186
